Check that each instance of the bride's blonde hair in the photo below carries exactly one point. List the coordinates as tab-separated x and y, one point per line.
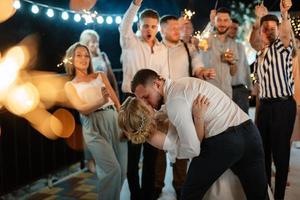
136	120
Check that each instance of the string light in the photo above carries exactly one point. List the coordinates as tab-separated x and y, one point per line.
65	15
86	16
109	20
50	12
100	20
77	17
17	4
118	19
35	9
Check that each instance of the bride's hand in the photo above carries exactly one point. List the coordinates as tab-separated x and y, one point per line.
200	106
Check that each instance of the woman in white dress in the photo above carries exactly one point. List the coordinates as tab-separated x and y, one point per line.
92	95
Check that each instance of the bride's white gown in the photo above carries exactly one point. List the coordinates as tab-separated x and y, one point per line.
228	187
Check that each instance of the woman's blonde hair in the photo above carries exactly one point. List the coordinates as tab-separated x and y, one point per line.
69	59
136	120
85	38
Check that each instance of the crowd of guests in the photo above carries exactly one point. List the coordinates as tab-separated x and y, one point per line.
187	106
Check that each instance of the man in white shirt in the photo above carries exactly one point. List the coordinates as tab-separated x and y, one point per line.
183	58
231	139
139	51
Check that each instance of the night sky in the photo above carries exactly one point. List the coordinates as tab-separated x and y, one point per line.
57	35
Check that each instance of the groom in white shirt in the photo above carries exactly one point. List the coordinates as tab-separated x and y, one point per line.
231	139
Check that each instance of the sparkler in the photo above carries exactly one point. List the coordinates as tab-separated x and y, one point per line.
188	14
203	40
65	61
89	16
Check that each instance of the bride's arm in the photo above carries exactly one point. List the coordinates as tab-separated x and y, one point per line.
157	139
199	109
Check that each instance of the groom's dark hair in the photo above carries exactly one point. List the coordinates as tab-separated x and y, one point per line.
143	77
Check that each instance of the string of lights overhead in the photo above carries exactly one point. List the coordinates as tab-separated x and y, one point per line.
85	16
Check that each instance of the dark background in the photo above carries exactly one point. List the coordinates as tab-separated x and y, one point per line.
57	35
26	155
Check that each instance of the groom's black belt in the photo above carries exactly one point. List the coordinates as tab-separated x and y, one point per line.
277	99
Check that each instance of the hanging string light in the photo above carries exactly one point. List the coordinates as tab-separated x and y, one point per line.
86	16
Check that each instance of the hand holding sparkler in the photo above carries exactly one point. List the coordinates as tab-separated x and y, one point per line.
212	16
202	41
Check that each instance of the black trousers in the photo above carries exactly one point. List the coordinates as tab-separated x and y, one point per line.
146	190
240	95
275	122
238	148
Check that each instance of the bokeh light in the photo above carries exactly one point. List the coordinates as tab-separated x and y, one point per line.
79	5
67	120
22	99
40	119
75	141
6	9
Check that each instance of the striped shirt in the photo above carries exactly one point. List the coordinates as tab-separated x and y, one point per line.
273	69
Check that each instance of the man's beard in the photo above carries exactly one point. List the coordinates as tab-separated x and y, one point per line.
222	32
160	103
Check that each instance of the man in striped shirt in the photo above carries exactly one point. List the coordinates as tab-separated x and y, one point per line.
276	113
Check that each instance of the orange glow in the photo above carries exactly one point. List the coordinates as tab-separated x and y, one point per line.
18	54
29	46
6	10
10	65
22	99
75	141
203	44
67	121
8	75
50	87
80	5
40	120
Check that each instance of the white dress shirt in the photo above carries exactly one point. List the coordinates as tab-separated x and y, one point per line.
222	113
136	53
178	60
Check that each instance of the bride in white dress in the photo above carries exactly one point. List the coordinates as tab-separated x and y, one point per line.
139	121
